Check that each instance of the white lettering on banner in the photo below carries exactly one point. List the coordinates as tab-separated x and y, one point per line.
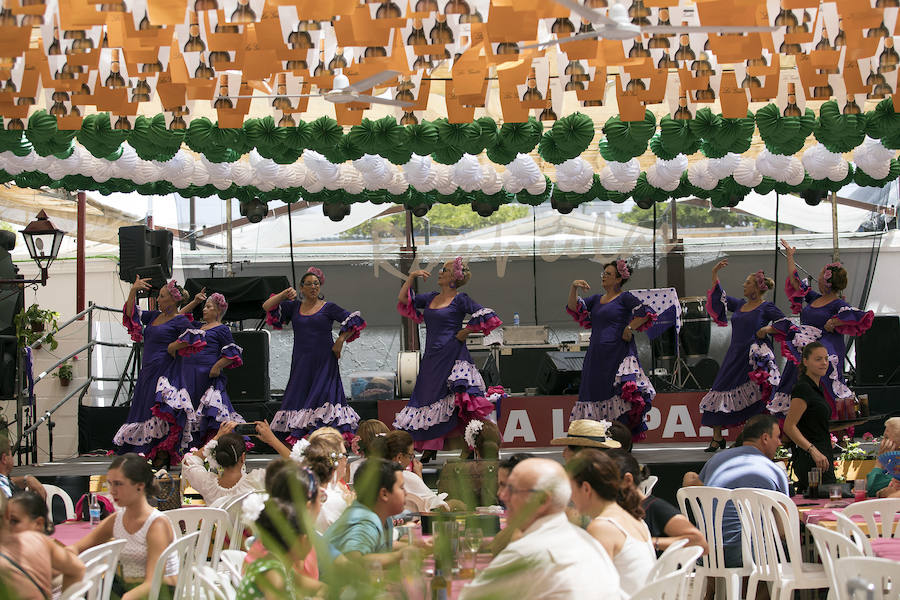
707	431
559	429
518	425
653	418
679	421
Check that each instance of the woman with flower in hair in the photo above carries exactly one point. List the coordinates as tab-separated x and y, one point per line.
159	421
217	471
826	318
613	384
314	395
748	375
204	351
449	390
474	482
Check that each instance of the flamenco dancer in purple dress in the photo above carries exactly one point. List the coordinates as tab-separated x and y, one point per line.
748	374
449	390
314	395
613	385
159	421
826	318
204	351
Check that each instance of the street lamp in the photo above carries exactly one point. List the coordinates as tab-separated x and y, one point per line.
43	241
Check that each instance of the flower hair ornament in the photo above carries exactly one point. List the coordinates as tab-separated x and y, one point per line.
459	271
299	449
318	273
830	268
761	281
172	286
473	429
253	506
219	302
209	451
623	270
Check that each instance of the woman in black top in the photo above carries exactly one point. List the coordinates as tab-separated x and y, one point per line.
808	418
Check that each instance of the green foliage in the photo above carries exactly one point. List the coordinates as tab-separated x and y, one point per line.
64	371
445	219
33	323
693	216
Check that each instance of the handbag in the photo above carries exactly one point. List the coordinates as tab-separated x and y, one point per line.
169	490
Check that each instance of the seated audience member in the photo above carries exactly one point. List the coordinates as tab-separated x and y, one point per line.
614	509
878	481
362	442
146	530
28	512
365	529
585	433
507	534
748	466
553	558
474	482
227	451
278	571
28	559
665	522
620	432
9	485
339	444
397	446
327	445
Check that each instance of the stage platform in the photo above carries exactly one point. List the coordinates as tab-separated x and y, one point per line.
667	461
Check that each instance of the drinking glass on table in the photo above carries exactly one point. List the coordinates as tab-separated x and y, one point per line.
815	478
859	490
472	539
835	493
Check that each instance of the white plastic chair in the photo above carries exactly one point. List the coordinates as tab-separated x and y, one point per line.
678	558
205	520
766	516
236	533
54	491
847	527
647	485
232	562
77	591
886	508
109	554
215	586
183	548
667	588
883	573
705	507
832	546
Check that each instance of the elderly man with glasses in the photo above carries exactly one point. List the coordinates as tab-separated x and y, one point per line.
553	558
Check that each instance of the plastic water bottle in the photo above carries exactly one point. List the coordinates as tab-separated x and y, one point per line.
516	319
94	509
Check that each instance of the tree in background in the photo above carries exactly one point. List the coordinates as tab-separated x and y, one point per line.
694	216
444	219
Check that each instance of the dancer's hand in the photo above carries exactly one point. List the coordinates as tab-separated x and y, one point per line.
720	265
215	371
762	332
581	284
141	285
462	334
338	346
627	334
200	297
788	249
419	273
289	294
830	324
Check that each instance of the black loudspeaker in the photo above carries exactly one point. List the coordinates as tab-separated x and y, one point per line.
140	247
560	372
705	371
11	302
250	381
518	367
877	362
97	425
245	295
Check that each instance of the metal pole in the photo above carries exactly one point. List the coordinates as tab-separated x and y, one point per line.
654	245
90	351
836	253
291	242
775	275
79	252
192	225
229	272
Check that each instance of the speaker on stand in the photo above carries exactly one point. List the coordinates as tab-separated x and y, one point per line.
877	362
250	382
145	252
560	373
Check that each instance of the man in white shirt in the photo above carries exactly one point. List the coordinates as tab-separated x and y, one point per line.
553	559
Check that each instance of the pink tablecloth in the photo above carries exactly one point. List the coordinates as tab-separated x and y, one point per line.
886	547
71	531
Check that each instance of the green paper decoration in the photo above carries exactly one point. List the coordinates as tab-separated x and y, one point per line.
626	139
152	140
572	134
884	124
45	137
839	133
784	135
99	138
719	135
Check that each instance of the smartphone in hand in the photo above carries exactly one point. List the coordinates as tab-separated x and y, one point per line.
245	429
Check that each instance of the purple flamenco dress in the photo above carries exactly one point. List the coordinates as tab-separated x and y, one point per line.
191	377
314	395
613	384
159	418
449	390
853	321
748	374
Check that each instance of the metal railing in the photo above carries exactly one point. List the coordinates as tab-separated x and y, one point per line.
27	423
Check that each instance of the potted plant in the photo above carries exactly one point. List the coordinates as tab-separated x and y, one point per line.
64	372
854	461
32	324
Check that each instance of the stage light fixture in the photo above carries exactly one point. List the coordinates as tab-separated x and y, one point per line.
483	208
255	210
419	210
813	197
734	200
563	206
335	211
644	203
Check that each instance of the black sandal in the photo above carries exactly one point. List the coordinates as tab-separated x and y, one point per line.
715	445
